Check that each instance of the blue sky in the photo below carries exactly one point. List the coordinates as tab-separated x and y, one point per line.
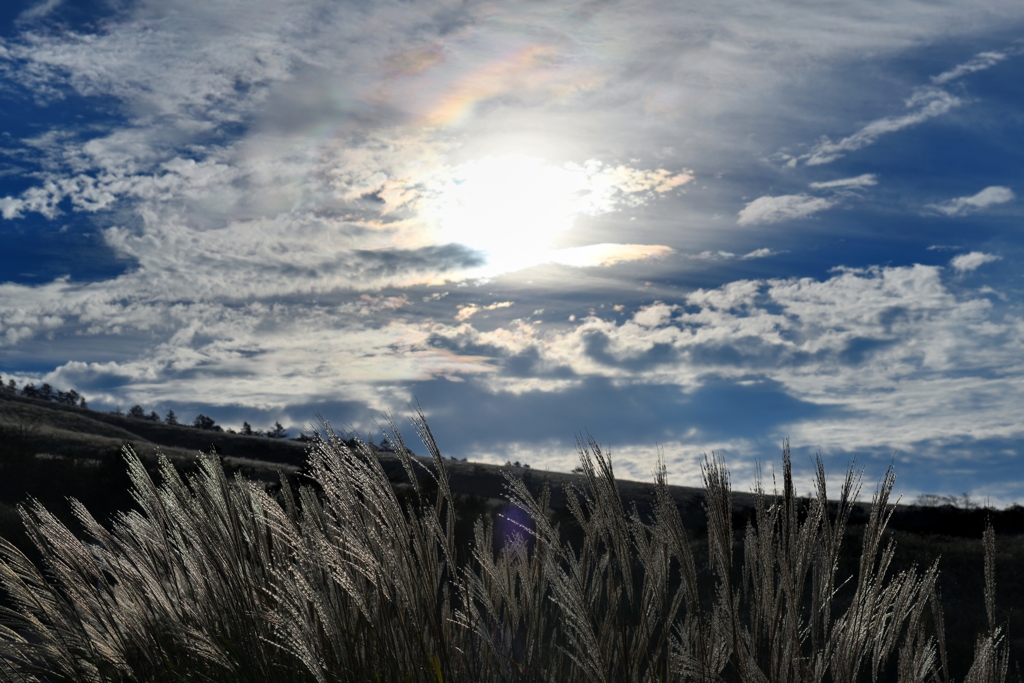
677	227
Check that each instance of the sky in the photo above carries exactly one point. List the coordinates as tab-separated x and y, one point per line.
680	228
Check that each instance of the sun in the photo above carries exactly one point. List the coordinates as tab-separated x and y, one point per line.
510	208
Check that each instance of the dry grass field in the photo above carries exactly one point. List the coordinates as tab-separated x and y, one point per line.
375	566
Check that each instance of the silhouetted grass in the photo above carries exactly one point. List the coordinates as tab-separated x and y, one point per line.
352	578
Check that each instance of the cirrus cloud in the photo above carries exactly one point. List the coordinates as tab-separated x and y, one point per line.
856	183
924	104
980	62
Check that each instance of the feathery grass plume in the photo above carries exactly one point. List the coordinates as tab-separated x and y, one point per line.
991	655
351	579
175	590
370	584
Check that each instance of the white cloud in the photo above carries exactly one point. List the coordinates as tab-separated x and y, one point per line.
990	196
893	347
763	252
654	315
965	263
980	62
900	357
468	311
924	104
720	255
511	208
226	353
781	208
11	208
40	10
855	183
594	255
269	162
709	255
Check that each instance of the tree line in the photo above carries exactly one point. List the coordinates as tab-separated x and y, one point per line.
71	397
205	422
45	393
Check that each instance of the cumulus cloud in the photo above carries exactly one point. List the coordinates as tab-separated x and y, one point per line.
965	263
880	357
287	179
221	354
961	206
781	208
893	351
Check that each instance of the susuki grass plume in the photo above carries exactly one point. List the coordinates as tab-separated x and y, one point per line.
347	580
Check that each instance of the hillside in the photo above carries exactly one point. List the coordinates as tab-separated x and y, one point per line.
51	452
69	433
60	432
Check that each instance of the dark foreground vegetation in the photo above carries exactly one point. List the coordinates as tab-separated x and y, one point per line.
365	568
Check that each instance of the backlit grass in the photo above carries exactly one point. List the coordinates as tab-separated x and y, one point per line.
348	578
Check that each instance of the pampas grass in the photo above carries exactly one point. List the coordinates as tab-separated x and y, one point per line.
212	579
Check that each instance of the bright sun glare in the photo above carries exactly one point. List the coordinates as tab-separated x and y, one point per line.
510	208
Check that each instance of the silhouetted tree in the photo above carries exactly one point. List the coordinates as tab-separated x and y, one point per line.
171	418
962	502
246	429
278	432
204	422
153	417
137	412
46	392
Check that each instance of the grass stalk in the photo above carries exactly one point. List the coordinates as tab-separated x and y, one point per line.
349	578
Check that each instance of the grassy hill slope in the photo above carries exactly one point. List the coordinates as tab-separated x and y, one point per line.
52	452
